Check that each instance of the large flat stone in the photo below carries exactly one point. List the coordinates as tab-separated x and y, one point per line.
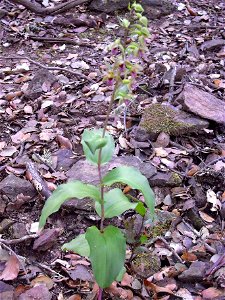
88	173
12	186
159	118
153	8
202	104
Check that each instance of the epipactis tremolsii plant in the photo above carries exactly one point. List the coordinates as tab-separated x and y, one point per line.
106	246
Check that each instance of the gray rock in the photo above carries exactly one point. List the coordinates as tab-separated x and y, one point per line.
65	159
165	179
18	230
6	291
39	292
159	118
47	238
88	173
202	104
3	13
12	186
153	8
42	82
108	6
140	134
195	273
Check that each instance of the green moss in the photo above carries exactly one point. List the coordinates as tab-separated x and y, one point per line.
146	264
161	224
161	118
175	179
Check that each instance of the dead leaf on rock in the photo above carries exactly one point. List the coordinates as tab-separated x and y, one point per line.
212	293
127	280
8	151
160	152
64	142
42	279
20	137
11	270
80	272
2	145
28	109
157	289
212	198
39	292
74	297
47	135
188	256
120	292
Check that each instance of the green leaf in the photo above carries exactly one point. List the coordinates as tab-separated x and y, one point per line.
121	274
137	7
78	245
115	204
91	151
96	143
135	179
145	31
125	23
143	239
121	92
140	209
76	189
107	253
143	20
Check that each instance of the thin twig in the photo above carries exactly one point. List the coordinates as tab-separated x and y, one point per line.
20	240
167	246
49	68
18	258
59	40
210	164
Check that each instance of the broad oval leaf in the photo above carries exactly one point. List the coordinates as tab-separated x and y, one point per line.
96	143
107	150
107	253
135	179
76	189
115	203
78	245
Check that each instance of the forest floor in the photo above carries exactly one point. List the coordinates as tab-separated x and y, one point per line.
41	122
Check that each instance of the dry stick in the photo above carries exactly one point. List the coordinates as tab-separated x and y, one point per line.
39	184
48	68
59	40
211	163
20	240
20	261
171	88
38	9
167	246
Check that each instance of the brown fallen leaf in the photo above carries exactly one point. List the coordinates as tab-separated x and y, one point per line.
42	279
187	256
12	268
118	291
212	293
12	95
64	142
157	289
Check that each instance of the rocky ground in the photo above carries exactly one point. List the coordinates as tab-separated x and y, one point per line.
51	89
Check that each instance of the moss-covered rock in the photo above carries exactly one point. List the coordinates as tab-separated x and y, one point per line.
164	118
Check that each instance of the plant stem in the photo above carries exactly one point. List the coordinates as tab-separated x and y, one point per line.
100	294
101	191
100	158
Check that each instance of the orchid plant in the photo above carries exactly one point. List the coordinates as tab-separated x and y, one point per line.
106	246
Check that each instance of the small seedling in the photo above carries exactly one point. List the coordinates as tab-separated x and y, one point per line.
106	246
